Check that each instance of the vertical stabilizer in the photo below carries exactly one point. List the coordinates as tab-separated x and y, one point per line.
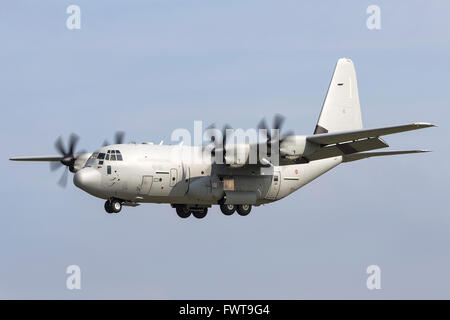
341	110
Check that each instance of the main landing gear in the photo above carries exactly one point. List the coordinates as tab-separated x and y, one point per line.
229	209
113	206
185	212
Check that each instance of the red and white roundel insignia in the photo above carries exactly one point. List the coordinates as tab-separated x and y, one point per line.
296	171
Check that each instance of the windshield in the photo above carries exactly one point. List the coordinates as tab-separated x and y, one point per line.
110	155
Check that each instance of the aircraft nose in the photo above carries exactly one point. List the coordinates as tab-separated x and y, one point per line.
87	179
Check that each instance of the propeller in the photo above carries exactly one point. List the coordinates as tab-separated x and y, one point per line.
118	138
68	157
217	145
278	121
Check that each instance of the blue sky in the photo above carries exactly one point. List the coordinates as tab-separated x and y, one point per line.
149	67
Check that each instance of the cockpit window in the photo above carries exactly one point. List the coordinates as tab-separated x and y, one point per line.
91	159
101	156
113	155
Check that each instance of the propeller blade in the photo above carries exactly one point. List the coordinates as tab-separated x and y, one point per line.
73	140
55	165
278	121
63	180
59	146
119	137
262	125
224	134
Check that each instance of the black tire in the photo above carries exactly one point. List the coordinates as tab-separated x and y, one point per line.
183	212
227	209
108	207
116	206
244	209
200	214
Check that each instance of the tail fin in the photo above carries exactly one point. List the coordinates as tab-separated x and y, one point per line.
341	110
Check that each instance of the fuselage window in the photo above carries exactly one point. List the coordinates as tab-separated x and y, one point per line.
108	169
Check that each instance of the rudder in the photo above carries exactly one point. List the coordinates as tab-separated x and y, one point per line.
341	110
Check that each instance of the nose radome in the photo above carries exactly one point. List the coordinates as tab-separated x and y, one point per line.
87	179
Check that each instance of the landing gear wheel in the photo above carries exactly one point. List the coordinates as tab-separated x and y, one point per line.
227	209
183	212
244	209
200	214
116	206
108	207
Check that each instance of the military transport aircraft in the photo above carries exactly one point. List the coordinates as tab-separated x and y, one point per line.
131	174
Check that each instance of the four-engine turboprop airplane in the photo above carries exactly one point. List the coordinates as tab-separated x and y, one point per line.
131	174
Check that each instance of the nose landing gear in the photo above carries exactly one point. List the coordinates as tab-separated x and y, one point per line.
113	206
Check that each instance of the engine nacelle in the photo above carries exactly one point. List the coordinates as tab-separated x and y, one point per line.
237	155
294	147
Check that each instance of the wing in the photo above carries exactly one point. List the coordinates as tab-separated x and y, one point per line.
37	158
343	136
364	155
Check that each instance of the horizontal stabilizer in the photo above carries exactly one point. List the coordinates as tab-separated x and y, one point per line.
364	155
343	136
38	158
347	148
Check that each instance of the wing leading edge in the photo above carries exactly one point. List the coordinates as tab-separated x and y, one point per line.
37	158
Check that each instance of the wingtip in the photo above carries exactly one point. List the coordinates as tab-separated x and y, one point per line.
424	124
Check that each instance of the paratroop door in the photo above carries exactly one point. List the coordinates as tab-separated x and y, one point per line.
275	186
